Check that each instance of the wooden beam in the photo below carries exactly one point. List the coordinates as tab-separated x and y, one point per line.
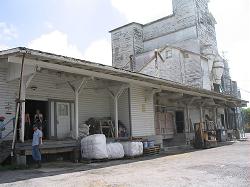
90	73
29	79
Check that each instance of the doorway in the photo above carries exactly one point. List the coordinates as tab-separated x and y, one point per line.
180	123
31	106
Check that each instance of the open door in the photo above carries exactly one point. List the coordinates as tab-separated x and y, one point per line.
180	121
63	119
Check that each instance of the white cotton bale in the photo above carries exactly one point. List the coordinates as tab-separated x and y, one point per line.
132	148
115	150
83	130
94	147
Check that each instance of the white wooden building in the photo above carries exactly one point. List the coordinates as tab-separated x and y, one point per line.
74	90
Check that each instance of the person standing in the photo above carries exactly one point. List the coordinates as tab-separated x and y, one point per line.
36	142
27	126
39	121
38	118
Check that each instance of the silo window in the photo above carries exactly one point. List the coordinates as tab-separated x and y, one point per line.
186	55
168	54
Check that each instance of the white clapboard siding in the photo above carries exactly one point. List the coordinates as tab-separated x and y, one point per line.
194	115
93	104
142	111
7	95
123	109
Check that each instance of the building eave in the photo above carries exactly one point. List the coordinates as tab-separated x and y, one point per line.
112	72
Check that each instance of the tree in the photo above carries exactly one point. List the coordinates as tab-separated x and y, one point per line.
246	114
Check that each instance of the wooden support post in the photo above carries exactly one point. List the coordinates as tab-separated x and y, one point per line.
22	100
116	117
18	108
188	119
116	97
201	114
76	114
77	90
215	116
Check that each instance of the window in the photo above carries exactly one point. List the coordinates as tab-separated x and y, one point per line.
168	54
186	55
63	109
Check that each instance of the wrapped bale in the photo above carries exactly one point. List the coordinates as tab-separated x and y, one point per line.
83	130
132	148
115	150
94	147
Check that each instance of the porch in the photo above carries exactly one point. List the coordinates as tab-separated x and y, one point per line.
48	147
176	115
71	100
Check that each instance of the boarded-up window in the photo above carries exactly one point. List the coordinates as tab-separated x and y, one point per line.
165	123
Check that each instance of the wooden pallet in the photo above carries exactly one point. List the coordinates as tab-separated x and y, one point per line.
151	150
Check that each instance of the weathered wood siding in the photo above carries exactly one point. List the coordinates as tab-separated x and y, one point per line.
142	111
7	97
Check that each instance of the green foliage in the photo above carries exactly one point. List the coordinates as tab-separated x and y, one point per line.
246	113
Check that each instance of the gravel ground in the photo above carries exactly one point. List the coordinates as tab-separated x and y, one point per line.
221	166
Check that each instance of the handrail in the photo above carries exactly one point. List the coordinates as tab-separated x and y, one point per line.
6	135
12	119
3	128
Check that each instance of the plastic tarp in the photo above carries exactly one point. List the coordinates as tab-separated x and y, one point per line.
94	147
132	148
115	150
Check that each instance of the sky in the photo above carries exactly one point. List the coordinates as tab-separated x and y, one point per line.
79	28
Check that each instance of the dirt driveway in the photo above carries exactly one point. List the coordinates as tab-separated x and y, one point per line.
222	166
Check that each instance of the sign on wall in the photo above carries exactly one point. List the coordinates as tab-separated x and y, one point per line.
9	108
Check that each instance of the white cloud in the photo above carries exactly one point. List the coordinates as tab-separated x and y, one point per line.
7	31
3	47
143	11
233	28
100	52
56	42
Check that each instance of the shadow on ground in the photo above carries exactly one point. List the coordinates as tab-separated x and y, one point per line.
57	168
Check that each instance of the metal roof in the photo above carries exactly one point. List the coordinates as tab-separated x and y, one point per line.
114	73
